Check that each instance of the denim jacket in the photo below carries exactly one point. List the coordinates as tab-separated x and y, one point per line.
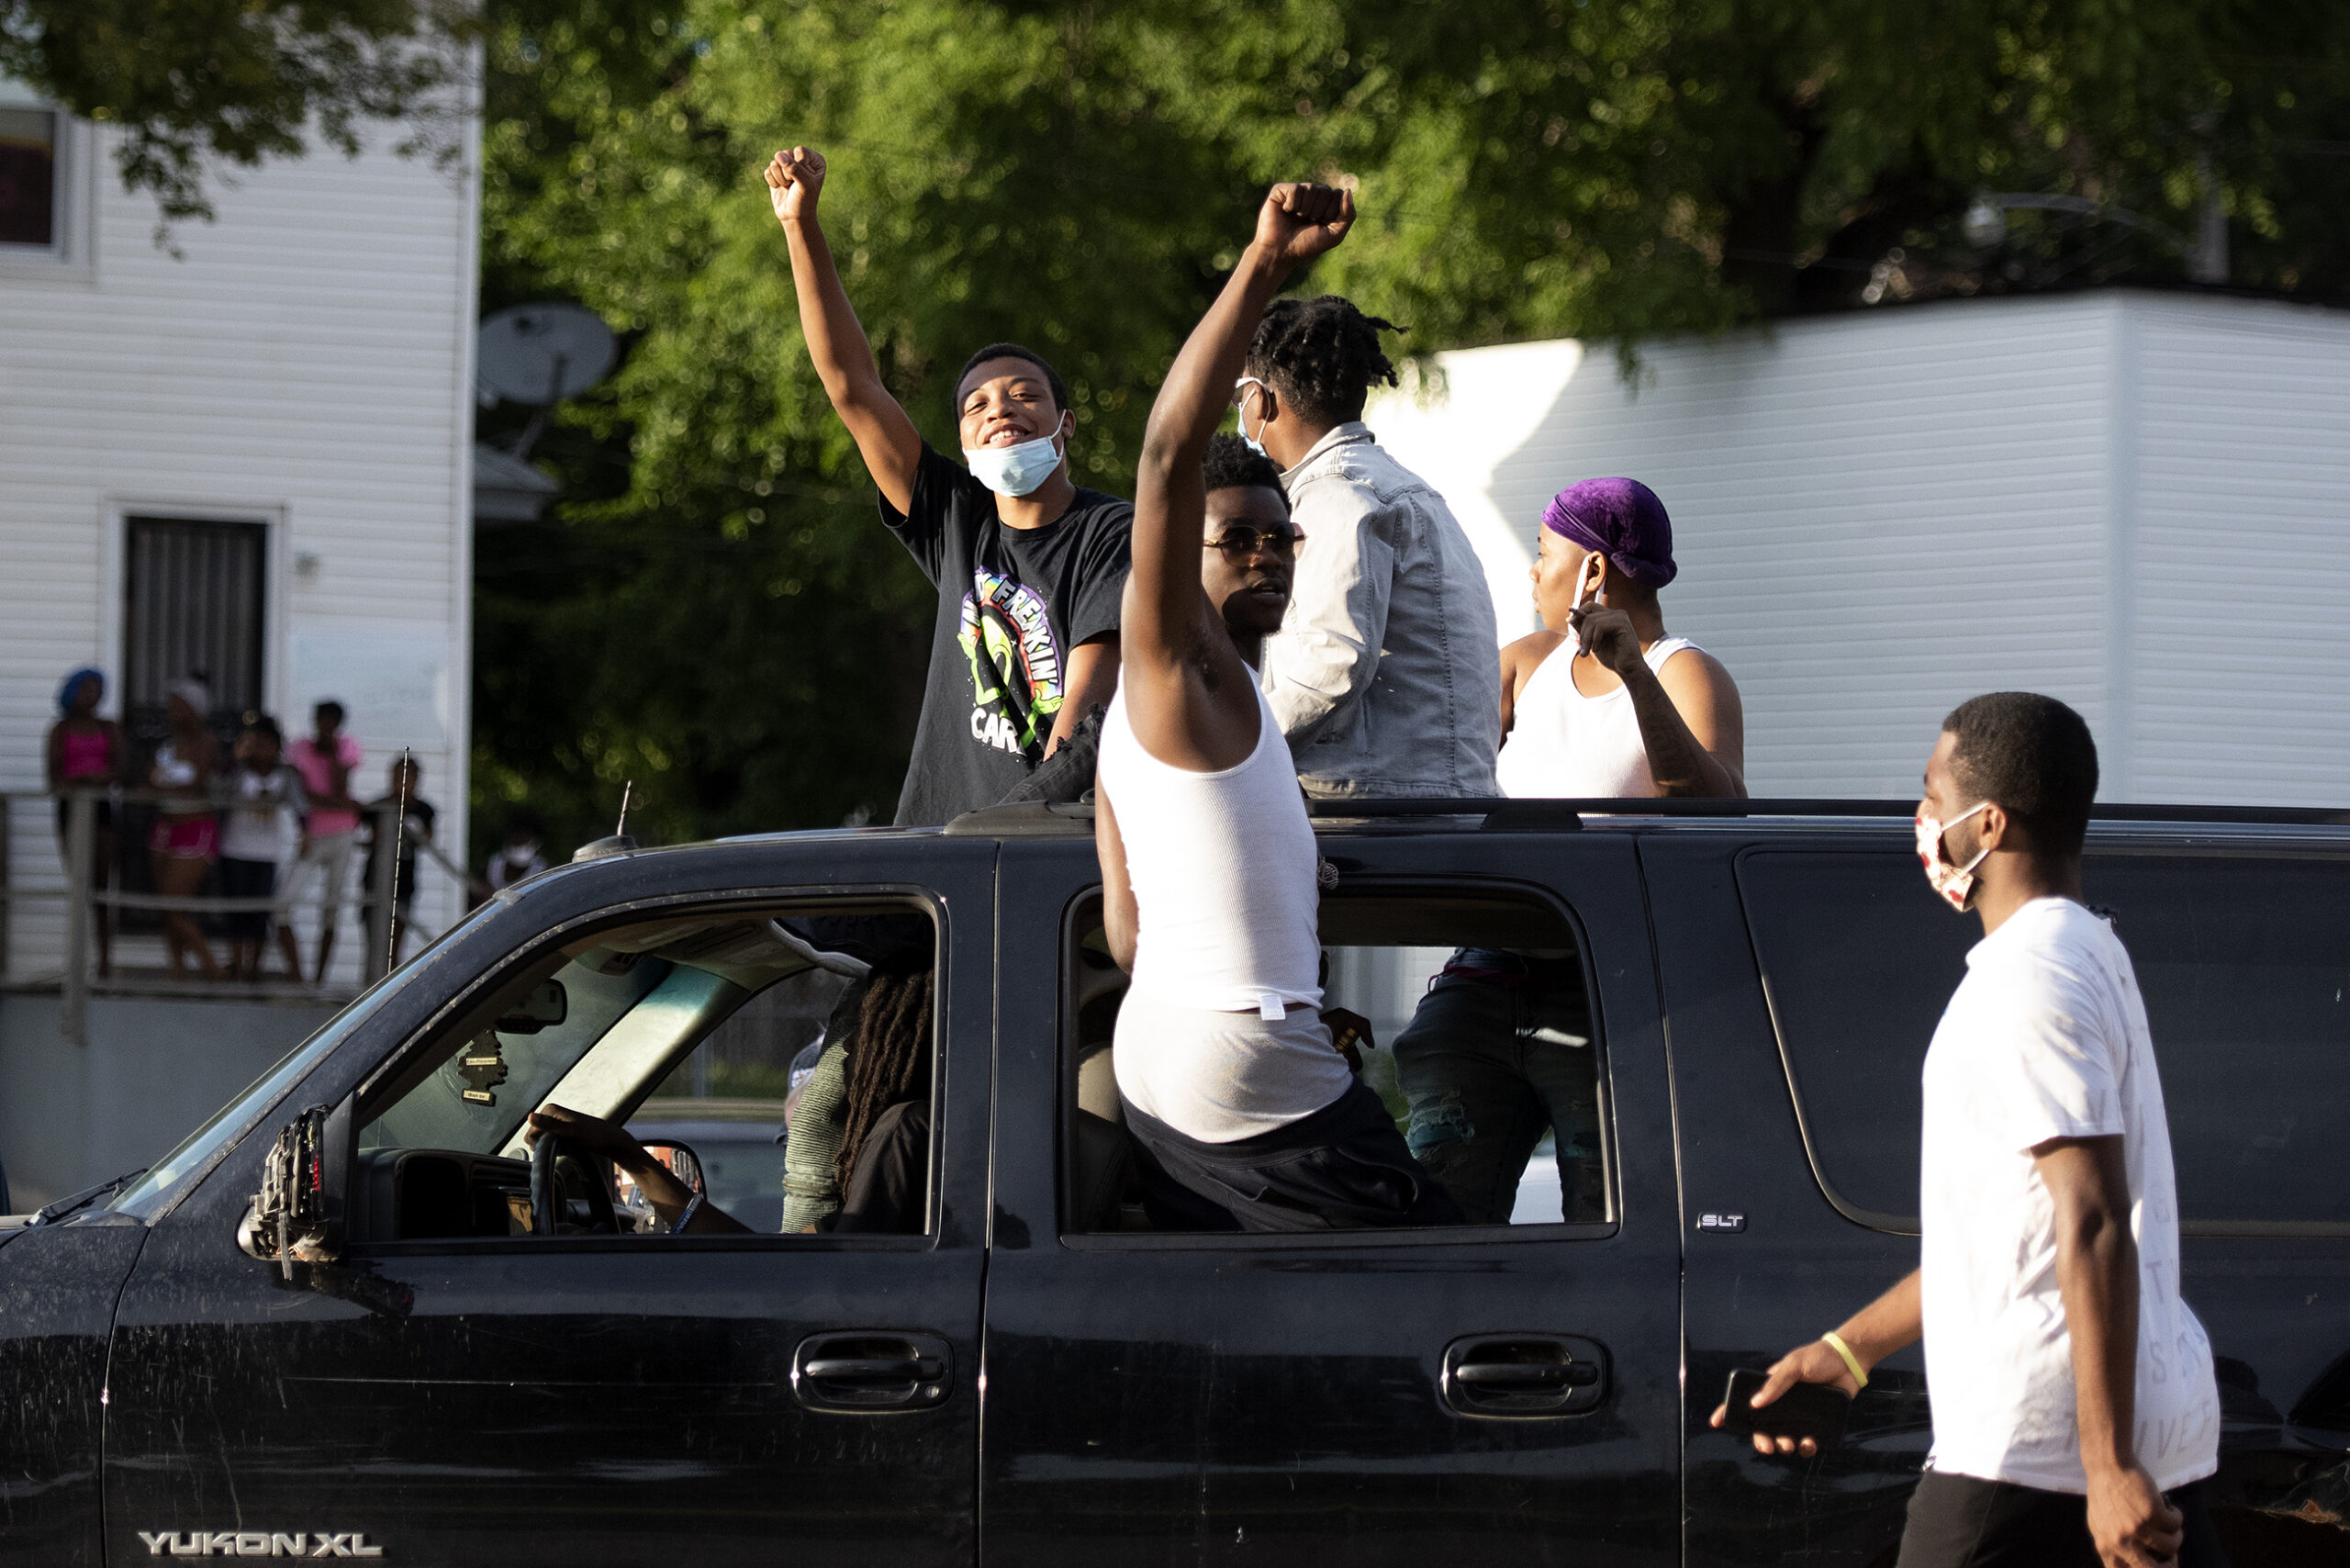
1386	672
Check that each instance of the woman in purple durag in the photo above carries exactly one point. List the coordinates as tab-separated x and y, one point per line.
1602	703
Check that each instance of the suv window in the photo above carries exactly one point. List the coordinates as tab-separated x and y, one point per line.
1482	979
693	1031
2244	968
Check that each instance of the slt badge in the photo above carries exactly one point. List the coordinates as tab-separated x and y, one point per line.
254	1543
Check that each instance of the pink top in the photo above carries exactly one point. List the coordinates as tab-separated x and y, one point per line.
318	778
88	755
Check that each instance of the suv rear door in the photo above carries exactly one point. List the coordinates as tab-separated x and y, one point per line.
1287	1399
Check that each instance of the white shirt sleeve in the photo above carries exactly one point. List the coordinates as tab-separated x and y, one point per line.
2047	1067
1328	649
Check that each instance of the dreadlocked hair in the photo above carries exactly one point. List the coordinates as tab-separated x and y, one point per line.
888	1056
1322	356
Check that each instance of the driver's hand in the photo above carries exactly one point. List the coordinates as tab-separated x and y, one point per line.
592	1134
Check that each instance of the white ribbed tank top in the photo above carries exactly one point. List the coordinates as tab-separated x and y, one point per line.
1222	865
1564	746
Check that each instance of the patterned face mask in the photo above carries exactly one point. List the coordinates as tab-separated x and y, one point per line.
1955	883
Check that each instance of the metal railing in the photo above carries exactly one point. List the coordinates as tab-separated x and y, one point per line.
76	979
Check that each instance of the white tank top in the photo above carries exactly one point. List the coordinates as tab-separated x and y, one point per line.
1222	865
172	772
1564	746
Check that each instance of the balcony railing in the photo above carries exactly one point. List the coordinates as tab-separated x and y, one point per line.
48	909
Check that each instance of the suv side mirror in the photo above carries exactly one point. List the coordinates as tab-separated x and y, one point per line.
296	1218
547	1006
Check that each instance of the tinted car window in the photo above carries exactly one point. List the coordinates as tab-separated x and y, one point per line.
2245	963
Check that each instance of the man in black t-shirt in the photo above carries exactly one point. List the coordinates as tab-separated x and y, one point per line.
1029	567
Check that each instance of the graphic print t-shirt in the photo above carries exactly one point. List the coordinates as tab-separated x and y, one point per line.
1012	603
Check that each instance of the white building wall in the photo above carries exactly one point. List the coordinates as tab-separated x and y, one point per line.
305	361
1880	514
2241	628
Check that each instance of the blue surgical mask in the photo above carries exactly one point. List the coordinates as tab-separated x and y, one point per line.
1014	470
1241	407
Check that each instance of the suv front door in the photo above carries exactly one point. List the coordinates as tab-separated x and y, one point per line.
590	1399
1304	1399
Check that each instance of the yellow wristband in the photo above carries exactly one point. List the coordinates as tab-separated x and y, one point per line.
1835	1342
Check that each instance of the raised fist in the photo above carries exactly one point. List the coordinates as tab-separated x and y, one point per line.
1299	222
793	180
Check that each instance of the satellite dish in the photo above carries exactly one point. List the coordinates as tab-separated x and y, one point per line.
540	355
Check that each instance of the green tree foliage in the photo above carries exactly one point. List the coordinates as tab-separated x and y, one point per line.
198	81
719	616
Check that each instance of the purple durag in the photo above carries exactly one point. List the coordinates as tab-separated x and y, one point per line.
1623	521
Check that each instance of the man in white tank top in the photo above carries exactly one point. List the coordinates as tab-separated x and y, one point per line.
1243	1114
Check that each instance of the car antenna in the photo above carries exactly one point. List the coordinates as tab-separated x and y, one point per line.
618	842
399	830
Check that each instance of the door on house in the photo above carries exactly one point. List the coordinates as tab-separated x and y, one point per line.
193	605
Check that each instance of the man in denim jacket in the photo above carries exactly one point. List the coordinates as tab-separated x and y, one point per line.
1385	673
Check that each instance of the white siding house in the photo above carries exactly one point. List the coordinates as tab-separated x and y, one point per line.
303	368
2139	503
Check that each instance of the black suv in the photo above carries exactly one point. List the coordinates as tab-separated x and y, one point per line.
482	1361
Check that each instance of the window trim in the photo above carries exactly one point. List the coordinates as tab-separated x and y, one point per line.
2132	848
472	996
69	257
1403	884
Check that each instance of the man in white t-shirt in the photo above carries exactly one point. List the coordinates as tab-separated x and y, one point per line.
2071	1388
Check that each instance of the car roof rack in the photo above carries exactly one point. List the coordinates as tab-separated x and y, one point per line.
1038	818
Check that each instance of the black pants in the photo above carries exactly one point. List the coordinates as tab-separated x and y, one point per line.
1958	1522
247	879
1342	1168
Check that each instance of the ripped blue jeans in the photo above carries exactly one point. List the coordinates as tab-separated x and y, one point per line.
1498	1053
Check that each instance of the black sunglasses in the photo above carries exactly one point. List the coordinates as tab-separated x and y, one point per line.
1278	540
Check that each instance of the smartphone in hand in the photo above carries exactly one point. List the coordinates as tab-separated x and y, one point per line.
1813	1410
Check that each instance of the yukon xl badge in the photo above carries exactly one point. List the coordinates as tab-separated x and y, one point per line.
254	1543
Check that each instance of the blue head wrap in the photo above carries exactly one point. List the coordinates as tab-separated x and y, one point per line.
74	684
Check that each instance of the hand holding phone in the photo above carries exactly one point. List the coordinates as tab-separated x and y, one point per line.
1812	1412
1583	591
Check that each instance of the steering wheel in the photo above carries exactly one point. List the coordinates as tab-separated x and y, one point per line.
550	1193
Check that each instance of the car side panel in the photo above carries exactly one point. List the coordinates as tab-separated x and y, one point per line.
580	1401
58	1288
1795	1268
1268	1399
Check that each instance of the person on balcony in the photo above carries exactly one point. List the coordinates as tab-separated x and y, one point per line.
85	752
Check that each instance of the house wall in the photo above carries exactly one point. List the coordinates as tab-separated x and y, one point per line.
306	360
1879	514
2240	637
152	1072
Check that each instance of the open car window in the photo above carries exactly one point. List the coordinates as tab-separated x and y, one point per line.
686	1033
1486	1050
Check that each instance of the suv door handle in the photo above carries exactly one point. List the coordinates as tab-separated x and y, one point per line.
1523	1375
849	1369
871	1372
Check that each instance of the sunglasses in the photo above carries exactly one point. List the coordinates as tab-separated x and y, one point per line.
1278	540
